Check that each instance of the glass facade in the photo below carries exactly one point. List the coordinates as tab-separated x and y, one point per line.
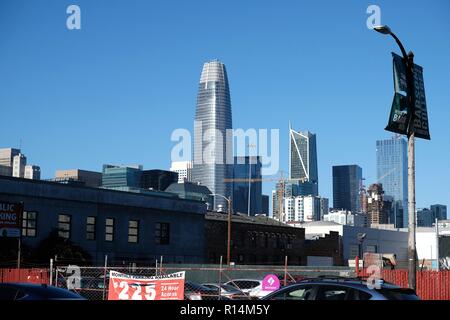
247	168
212	119
303	161
392	173
347	182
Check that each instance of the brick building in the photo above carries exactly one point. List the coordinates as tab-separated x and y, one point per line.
254	240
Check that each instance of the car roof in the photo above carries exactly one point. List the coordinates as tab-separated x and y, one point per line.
42	290
256	280
344	281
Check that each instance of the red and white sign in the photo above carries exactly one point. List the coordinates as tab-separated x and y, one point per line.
128	287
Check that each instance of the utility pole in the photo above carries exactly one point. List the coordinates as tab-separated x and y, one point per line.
412	263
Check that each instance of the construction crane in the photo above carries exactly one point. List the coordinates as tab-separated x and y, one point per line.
280	190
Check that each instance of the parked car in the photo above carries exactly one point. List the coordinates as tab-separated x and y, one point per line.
227	290
27	291
330	288
195	291
251	287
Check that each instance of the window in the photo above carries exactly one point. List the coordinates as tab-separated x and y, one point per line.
90	228
109	229
332	293
297	293
29	220
133	231
162	233
64	226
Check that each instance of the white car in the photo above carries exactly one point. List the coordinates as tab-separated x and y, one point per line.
251	287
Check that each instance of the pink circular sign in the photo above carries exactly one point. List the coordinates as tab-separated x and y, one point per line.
271	283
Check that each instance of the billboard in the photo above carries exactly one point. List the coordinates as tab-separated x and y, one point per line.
398	118
10	219
135	287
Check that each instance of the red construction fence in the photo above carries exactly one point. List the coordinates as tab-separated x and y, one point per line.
431	285
33	275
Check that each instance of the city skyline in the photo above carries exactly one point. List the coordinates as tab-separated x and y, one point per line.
132	95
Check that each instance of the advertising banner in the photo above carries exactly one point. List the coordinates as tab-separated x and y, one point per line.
135	287
398	118
10	219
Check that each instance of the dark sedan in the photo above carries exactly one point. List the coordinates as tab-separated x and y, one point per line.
27	291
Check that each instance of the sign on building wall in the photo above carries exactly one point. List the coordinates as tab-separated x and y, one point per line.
10	219
130	287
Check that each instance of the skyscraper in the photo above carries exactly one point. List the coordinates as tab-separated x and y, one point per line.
303	161
32	172
213	152
184	170
247	195
19	163
392	173
347	181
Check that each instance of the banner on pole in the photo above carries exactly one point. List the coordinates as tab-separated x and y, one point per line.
10	219
398	118
131	287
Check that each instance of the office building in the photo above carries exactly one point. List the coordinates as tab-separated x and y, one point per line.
157	179
425	217
184	170
7	156
347	181
439	211
19	163
121	177
88	178
247	185
392	173
32	172
265	205
303	162
213	152
127	227
301	209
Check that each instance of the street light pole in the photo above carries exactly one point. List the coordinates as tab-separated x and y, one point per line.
409	63
229	203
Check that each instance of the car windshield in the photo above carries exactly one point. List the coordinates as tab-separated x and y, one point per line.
229	288
399	294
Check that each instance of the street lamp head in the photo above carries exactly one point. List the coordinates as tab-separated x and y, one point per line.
383	29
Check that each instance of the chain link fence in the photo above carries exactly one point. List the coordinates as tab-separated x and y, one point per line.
202	282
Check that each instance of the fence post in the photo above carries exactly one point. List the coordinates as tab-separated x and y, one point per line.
51	271
285	269
357	266
104	276
220	278
160	266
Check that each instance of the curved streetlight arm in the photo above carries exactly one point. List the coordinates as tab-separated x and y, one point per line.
405	55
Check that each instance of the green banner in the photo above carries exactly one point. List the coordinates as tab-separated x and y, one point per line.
399	110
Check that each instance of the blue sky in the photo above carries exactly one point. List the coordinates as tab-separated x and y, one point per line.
114	91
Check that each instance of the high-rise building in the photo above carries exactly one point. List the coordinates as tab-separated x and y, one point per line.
392	173
301	209
378	210
32	172
184	170
88	178
347	181
19	163
265	205
247	194
424	218
303	161
7	156
324	207
121	177
290	190
213	152
157	179
439	211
